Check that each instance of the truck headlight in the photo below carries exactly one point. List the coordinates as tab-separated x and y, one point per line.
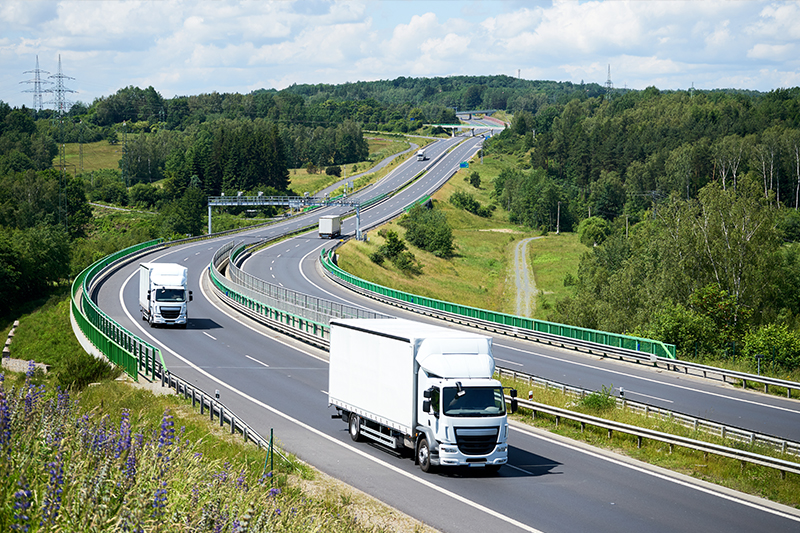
448	449
502	448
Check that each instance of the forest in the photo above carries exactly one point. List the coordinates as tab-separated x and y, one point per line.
687	201
688	204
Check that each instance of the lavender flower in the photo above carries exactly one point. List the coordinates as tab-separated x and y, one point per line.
165	439
5	422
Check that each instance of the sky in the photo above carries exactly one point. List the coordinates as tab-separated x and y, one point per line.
194	47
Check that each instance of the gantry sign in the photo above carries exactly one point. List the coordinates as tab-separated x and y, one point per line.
293	202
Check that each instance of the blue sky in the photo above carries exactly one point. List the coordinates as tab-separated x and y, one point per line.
191	47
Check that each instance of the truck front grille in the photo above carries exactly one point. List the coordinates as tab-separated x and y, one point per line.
170	313
476	441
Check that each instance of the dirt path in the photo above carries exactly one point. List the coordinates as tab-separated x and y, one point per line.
526	284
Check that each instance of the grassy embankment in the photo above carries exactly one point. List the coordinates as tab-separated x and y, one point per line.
480	274
121	458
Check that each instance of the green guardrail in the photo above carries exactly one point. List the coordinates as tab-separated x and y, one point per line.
422	201
573	332
285	318
120	346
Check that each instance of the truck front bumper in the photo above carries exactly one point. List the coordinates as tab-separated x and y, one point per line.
450	455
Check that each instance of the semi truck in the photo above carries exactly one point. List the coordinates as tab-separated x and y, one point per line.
330	226
419	388
421	155
163	294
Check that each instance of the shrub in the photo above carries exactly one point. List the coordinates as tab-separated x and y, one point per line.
334	170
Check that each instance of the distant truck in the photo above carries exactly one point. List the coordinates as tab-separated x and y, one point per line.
418	387
330	226
421	155
163	294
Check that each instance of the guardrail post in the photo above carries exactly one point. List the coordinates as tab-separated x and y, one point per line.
221	416
638	442
233	424
211	409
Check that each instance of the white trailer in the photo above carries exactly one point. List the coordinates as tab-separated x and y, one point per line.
163	293
330	226
429	389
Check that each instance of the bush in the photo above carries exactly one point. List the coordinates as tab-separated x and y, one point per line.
428	229
601	400
377	257
334	171
407	263
774	339
467	202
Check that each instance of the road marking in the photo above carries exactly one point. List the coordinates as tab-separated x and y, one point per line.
648	396
507	361
683	387
256	360
658	475
209	335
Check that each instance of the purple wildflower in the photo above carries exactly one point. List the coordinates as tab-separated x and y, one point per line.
160	500
273	492
52	499
22	502
124	442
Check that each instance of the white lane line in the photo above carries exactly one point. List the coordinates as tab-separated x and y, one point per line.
507	361
648	396
209	335
313	430
682	387
659	475
256	360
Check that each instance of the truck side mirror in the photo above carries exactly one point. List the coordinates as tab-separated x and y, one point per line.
427	394
426	405
190	296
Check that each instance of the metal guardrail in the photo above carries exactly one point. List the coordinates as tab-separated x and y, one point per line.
673	440
496	319
485	322
697	424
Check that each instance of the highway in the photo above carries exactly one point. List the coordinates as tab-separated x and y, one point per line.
549	484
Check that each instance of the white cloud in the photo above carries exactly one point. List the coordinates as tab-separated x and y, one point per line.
192	47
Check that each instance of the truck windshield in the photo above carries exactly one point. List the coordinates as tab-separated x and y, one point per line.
170	295
474	401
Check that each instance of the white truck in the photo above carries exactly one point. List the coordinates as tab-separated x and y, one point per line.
415	386
330	226
421	155
163	294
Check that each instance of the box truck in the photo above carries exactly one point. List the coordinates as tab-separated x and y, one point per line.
163	294
422	388
421	156
330	226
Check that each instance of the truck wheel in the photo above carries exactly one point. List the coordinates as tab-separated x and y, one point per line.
355	427
424	455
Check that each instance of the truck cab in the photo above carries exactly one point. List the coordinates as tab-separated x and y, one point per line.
462	417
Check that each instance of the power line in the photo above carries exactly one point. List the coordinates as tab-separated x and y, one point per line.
62	107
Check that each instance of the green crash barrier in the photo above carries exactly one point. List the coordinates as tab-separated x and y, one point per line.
600	337
116	343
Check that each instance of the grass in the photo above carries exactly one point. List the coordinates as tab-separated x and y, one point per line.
751	479
479	275
96	156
